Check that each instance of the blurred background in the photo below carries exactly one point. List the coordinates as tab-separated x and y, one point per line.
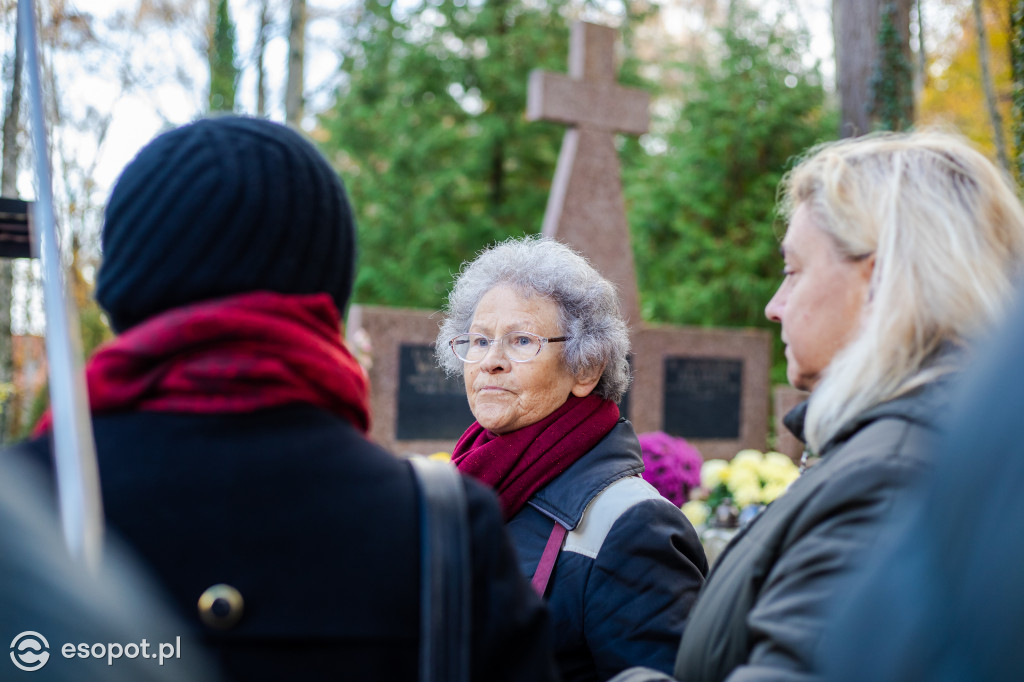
420	106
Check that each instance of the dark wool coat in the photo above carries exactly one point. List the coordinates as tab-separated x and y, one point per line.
318	530
769	595
942	599
630	567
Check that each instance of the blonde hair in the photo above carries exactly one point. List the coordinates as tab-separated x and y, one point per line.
947	231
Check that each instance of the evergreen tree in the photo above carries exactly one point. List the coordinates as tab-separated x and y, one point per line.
702	212
429	134
223	70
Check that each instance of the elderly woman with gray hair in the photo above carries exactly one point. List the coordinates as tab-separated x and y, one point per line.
539	337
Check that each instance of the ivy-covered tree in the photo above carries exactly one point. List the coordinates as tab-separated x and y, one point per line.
430	137
892	84
223	69
703	210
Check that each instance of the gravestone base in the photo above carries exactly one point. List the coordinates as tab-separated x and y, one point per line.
785	398
415	408
710	386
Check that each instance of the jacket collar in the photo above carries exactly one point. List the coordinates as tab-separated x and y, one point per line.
794	420
920	406
923	405
617	456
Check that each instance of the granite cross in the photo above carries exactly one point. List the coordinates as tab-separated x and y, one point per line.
585	208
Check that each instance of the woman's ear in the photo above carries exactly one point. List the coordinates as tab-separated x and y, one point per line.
586	381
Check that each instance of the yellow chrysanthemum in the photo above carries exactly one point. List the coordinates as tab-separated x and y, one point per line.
772	491
779	459
747	494
747	460
779	474
713	472
697	512
743	477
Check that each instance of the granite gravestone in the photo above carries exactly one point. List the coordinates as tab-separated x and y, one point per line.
710	386
415	407
707	385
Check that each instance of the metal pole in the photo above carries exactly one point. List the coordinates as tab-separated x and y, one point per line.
78	489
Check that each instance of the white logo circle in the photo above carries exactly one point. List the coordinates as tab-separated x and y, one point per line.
29	654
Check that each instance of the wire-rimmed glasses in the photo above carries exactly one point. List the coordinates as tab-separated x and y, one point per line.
518	346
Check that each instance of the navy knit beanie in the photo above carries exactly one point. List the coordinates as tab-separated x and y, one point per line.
224	206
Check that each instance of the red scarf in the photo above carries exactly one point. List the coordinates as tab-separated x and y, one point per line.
520	463
235	354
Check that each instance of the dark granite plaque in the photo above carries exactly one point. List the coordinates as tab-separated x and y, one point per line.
431	406
703	397
14	231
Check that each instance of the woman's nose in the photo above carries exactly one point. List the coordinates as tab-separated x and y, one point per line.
773	311
495	360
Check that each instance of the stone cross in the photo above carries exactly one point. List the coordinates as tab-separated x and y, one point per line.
709	385
585	208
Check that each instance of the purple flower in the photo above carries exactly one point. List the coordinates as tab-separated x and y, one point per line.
671	465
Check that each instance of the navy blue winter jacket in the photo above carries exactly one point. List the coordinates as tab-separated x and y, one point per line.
318	529
629	570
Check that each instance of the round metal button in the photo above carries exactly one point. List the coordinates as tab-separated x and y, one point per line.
221	606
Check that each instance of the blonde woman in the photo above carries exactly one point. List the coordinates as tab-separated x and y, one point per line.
900	250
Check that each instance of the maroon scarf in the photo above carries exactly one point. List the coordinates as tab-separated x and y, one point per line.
236	354
520	463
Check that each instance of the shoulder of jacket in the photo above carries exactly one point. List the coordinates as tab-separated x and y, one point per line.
604	510
890	439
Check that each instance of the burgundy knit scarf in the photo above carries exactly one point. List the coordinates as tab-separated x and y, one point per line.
520	463
236	354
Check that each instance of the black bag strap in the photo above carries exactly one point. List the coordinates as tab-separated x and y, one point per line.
445	578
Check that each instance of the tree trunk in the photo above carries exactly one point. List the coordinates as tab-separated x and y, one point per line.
8	187
855	27
261	49
990	93
921	72
986	81
1017	69
293	99
211	28
903	10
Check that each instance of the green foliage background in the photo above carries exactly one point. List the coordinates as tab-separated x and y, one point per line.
430	138
703	211
429	135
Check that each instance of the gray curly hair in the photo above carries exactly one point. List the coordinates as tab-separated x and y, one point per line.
588	306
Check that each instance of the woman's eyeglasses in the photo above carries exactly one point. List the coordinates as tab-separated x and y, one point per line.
518	346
